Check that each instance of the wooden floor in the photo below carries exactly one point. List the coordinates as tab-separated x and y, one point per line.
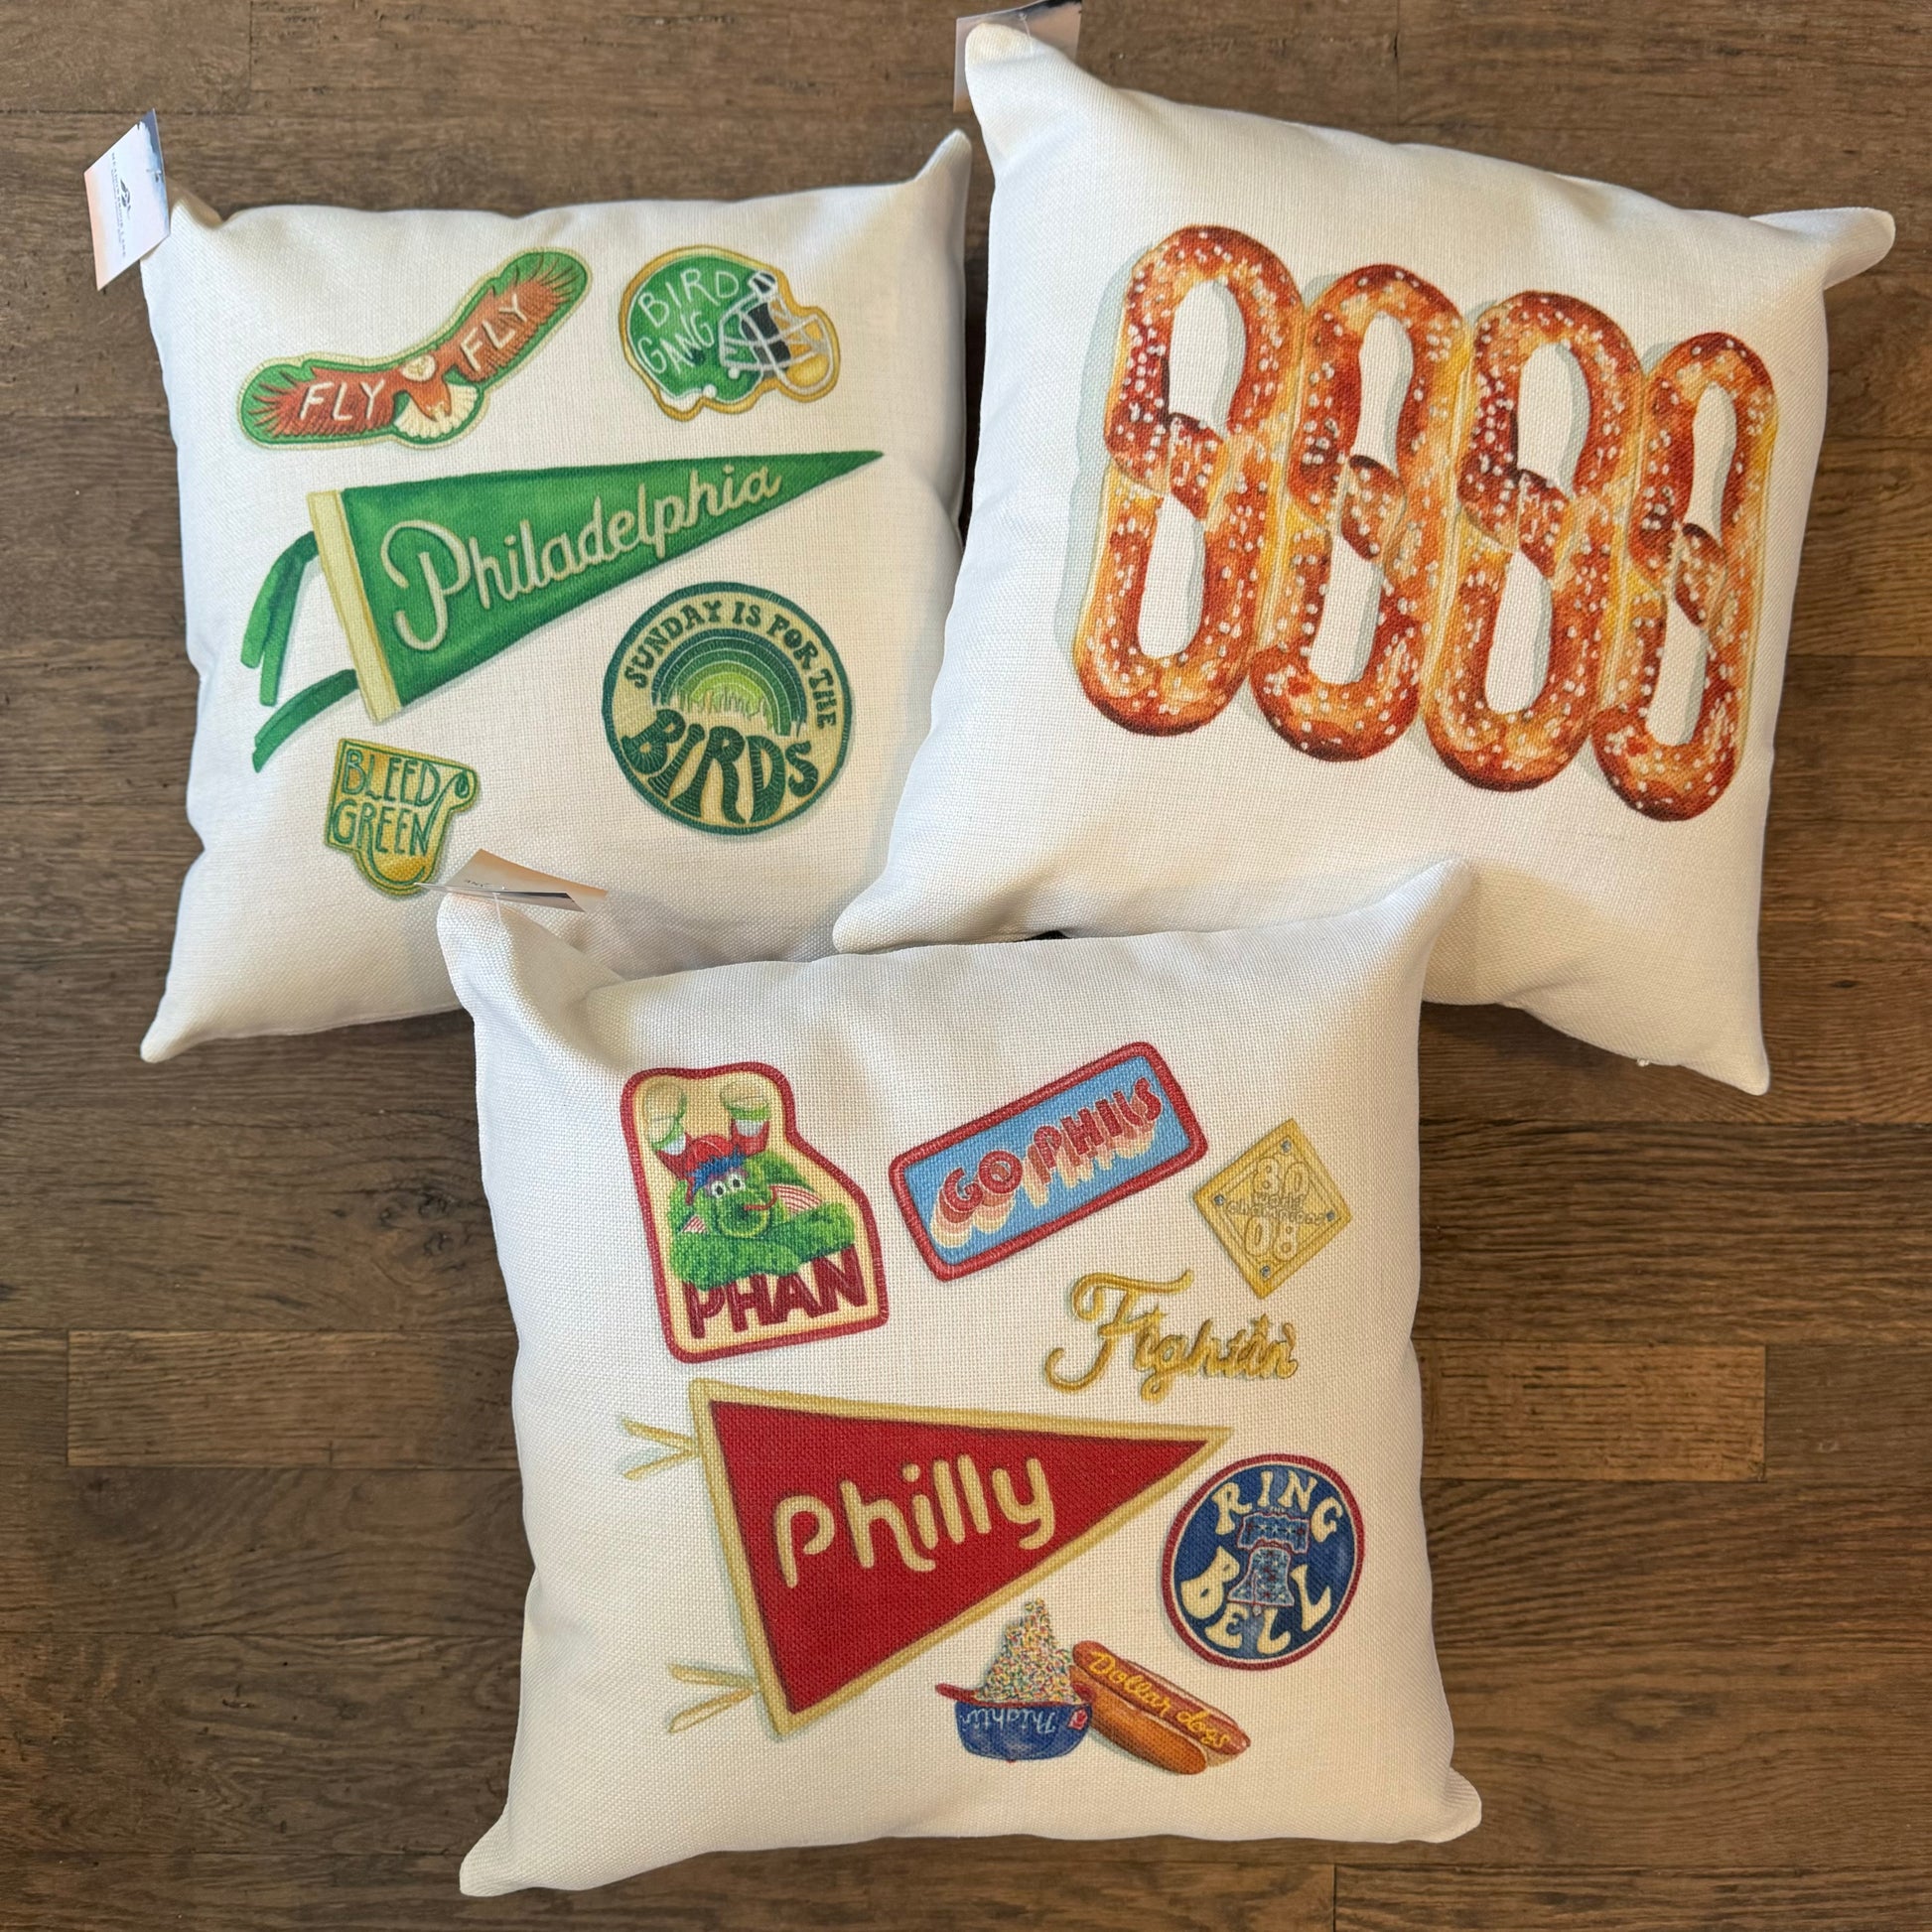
260	1555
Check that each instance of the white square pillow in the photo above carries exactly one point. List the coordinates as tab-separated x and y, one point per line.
967	1391
615	540
1342	506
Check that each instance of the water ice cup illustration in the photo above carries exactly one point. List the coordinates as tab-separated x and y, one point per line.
1025	1706
432	577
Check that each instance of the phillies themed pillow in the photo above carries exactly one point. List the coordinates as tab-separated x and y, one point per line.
965	1391
1340	506
613	540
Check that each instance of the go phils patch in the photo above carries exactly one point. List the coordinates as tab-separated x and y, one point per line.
390	811
727	708
707	329
756	1241
1052	1157
432	392
859	1534
1262	1562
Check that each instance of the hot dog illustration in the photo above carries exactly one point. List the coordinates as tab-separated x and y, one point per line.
1150	1716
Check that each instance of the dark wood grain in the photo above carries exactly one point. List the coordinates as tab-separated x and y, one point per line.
926	1885
1849	1414
1778	1900
261	1562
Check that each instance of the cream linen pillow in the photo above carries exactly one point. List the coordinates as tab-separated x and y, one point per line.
962	1392
615	539
1340	506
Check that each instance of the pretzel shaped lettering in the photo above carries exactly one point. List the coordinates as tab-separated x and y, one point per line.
1716	580
1401	521
1572	537
1224	479
1276	488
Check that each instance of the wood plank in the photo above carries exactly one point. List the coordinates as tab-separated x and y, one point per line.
1655	67
253	1744
175	56
1856	1414
1563	1568
347	1198
907	1884
33	1397
275	1400
1790	1753
291	1401
1567	1410
301	1552
1686	1233
1447	1898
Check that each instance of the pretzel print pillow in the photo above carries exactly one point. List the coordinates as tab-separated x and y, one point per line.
964	1391
615	540
1339	505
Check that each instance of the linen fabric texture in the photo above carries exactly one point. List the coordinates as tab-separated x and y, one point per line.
1340	506
766	1531
438	471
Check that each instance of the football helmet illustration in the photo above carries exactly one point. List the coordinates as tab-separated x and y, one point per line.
763	335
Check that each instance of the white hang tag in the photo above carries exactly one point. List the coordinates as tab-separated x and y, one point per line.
127	201
1056	21
489	877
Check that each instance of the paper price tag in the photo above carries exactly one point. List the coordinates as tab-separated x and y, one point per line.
1056	21
489	877
127	201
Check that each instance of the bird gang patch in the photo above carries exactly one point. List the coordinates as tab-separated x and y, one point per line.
727	708
756	1240
1055	1156
433	393
1262	1562
390	811
707	329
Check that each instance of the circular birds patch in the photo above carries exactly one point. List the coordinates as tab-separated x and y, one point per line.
727	708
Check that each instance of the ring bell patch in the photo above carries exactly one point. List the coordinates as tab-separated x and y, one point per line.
727	708
1262	1562
1012	1177
756	1241
1273	1208
390	811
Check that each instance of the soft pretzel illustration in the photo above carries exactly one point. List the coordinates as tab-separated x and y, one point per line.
1402	521
1224	479
1716	582
1274	490
1572	537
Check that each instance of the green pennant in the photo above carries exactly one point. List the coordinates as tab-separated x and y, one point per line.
434	576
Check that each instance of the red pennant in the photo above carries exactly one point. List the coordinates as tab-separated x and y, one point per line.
859	1534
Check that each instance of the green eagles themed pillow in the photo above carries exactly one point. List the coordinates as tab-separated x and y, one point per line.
613	540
